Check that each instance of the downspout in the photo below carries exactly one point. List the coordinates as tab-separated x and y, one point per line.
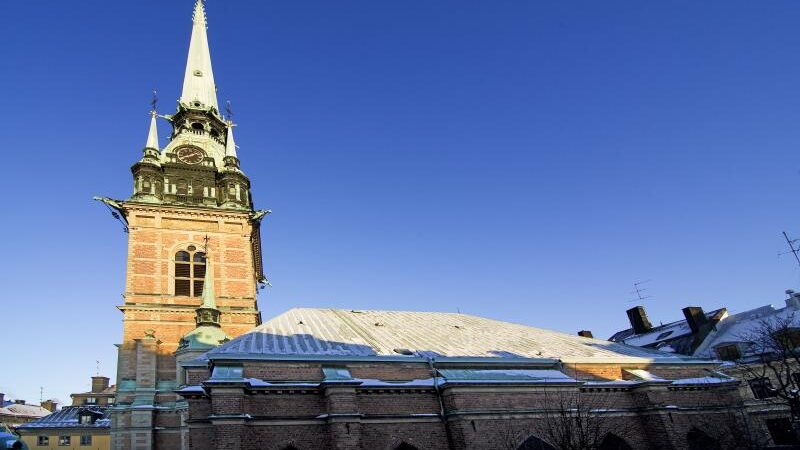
442	413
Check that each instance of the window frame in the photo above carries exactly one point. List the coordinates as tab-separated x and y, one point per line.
42	441
64	441
761	388
85	440
189	272
723	350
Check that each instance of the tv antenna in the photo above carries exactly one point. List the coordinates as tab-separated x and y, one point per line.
640	291
98	367
792	249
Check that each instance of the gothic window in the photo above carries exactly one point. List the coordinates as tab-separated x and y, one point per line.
190	268
404	446
699	440
614	442
534	443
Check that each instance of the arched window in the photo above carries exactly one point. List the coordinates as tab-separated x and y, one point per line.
698	440
190	268
614	442
405	446
534	443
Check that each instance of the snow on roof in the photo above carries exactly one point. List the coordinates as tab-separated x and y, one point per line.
661	333
67	417
740	327
20	410
346	333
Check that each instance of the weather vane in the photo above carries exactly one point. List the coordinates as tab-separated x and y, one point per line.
154	101
229	110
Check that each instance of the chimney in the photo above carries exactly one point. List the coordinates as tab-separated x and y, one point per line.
99	384
793	299
695	317
19	402
2	399
638	319
585	333
49	405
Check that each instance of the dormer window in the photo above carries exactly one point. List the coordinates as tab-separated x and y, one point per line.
729	352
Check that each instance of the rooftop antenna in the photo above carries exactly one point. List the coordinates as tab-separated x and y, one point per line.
640	292
792	249
98	367
41	394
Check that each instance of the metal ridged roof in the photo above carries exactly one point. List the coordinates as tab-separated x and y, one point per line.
336	332
68	418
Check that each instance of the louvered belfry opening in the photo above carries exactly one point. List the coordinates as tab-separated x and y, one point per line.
190	268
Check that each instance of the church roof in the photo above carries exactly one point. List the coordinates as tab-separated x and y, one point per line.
198	81
311	333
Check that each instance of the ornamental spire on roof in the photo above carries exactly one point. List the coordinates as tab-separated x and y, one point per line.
198	82
230	144
209	296
152	136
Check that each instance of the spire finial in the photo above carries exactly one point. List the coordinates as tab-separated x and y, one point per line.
198	81
230	143
152	135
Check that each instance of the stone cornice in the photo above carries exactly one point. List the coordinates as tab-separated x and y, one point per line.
132	205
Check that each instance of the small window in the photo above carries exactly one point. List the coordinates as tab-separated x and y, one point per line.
85	419
197	126
762	388
729	352
227	372
43	440
781	431
182	188
663	335
91	400
86	439
64	441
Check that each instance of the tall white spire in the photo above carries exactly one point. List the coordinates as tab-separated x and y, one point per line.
198	82
152	136
209	296
230	144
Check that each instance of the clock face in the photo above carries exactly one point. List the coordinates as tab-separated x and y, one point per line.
190	155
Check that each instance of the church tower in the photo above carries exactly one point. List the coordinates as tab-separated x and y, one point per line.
189	197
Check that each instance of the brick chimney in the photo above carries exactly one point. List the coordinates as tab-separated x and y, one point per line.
695	317
99	384
638	319
2	399
49	405
19	402
585	333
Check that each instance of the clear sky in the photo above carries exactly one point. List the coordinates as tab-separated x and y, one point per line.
522	160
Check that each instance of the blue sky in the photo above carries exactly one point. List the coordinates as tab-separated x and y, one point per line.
525	161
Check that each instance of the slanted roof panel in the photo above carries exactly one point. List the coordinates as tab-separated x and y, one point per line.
336	332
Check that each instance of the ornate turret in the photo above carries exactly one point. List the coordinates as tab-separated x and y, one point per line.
199	165
148	178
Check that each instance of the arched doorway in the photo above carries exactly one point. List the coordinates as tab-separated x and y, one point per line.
534	443
614	442
699	440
